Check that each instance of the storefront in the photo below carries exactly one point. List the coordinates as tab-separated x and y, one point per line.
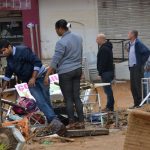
19	22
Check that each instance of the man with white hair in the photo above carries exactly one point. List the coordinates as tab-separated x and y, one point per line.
105	68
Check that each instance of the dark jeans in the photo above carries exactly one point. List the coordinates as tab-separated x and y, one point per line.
136	74
41	93
70	87
107	77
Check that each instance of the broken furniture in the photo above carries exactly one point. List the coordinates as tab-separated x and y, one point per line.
145	90
91	99
11	138
21	124
87	132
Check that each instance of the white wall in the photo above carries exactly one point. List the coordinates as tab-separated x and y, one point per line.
81	13
122	71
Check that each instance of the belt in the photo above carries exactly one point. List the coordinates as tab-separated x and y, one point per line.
133	66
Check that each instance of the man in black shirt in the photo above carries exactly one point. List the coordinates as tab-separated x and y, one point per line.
105	68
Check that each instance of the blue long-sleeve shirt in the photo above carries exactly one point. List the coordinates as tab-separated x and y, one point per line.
23	62
68	53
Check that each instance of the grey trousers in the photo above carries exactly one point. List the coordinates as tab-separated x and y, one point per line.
70	87
136	74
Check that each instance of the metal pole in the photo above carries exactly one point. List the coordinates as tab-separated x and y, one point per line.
122	51
37	40
145	99
32	40
0	98
30	26
0	111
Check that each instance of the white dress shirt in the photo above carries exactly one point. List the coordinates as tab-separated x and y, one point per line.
132	55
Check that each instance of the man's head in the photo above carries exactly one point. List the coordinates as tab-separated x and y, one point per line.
101	39
62	26
5	48
132	35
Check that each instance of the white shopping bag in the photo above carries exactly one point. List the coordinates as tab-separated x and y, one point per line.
23	90
54	88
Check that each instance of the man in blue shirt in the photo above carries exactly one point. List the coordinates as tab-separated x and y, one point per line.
138	55
28	68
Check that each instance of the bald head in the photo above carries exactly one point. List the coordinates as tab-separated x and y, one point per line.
101	39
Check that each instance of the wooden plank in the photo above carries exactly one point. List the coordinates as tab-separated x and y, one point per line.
87	132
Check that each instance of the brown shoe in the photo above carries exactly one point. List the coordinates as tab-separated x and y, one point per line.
57	127
80	125
71	126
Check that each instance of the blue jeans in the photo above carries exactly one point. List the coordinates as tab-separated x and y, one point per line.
146	74
41	93
107	77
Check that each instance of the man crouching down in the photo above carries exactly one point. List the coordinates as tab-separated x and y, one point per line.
28	68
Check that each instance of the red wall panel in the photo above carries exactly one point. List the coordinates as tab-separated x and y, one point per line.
31	16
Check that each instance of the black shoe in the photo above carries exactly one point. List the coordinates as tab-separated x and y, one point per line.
134	107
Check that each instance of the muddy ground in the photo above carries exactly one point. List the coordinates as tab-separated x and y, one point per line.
113	141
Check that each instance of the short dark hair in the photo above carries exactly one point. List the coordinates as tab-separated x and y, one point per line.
62	24
4	44
135	33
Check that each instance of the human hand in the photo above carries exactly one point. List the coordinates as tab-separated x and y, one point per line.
31	82
46	80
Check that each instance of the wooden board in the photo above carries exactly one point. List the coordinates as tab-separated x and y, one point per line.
87	132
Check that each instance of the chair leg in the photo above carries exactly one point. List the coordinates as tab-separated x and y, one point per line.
102	121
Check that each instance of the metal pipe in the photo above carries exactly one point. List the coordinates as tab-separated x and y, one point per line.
145	99
37	40
1	120
30	26
122	51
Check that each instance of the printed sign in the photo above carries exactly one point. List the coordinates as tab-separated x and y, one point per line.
54	78
15	4
54	89
23	90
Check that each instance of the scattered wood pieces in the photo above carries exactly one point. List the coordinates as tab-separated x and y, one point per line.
87	132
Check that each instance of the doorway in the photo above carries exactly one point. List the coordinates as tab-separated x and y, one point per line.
11	27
